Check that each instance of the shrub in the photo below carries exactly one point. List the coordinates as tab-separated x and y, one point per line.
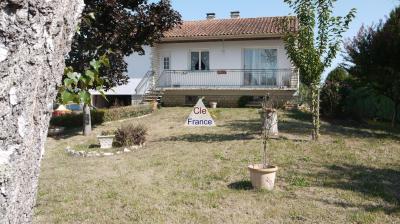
244	100
334	93
99	116
67	120
125	112
129	134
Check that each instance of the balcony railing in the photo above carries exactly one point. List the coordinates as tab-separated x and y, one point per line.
265	78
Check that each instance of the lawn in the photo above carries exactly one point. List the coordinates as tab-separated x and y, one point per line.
199	175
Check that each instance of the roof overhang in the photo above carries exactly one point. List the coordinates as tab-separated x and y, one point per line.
220	38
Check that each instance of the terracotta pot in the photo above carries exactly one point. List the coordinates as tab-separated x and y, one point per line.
262	178
106	141
213	105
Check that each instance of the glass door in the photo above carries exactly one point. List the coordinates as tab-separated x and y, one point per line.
260	67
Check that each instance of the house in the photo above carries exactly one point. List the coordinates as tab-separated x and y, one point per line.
222	60
118	96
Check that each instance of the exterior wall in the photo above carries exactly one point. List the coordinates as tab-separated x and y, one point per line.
224	98
223	54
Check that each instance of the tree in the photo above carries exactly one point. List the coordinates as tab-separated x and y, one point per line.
35	35
373	58
315	44
122	26
76	87
334	92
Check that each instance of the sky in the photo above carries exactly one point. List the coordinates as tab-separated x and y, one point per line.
368	12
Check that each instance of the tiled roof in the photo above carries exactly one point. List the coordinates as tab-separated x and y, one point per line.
227	28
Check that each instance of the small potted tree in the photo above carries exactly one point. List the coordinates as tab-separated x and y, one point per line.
106	139
263	175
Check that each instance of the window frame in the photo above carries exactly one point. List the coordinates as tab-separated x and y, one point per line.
164	62
199	53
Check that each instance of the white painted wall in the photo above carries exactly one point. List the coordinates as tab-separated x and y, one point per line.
224	55
138	65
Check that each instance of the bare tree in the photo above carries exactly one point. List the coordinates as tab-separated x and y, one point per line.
35	36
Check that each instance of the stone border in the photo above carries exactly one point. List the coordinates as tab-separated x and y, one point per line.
75	153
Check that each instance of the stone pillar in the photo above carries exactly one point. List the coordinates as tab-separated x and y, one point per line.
35	35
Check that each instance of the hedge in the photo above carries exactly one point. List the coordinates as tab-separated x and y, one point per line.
99	116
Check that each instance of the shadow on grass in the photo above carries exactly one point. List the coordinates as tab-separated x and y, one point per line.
68	133
249	126
94	146
209	137
372	182
298	122
241	185
387	209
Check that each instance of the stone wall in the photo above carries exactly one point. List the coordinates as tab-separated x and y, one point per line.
35	36
224	98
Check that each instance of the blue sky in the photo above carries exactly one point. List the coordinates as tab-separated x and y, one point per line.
368	12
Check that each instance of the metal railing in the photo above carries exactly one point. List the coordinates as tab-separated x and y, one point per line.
145	84
229	78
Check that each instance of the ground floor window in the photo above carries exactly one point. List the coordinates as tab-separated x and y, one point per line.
191	100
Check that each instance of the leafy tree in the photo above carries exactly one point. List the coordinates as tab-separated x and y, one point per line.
315	44
339	74
76	87
117	29
123	26
334	92
373	58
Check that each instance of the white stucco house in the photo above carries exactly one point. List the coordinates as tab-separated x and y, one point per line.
221	60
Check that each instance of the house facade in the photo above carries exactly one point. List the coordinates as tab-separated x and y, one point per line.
223	60
119	96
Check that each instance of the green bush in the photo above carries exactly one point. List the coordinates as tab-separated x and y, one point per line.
67	120
129	134
101	115
362	103
244	100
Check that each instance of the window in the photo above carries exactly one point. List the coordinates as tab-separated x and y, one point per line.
199	60
191	100
260	58
166	63
260	67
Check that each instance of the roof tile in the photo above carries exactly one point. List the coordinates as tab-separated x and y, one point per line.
217	28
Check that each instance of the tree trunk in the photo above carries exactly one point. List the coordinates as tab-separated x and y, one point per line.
87	121
395	113
34	37
315	98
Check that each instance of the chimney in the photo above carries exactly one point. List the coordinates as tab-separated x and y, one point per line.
211	15
235	14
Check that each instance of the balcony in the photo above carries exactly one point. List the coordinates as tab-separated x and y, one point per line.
229	79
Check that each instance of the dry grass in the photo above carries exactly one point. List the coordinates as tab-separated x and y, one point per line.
199	175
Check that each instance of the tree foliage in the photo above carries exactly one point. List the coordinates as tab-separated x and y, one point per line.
373	57
76	85
334	92
315	44
124	26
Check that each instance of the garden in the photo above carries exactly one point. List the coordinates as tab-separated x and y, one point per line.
200	174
